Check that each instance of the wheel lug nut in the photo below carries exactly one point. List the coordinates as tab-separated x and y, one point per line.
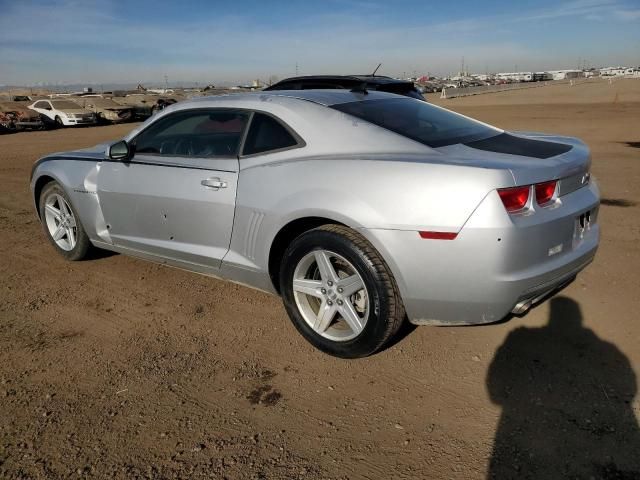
324	291
340	289
330	283
329	302
340	302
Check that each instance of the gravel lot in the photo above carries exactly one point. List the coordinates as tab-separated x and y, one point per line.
117	368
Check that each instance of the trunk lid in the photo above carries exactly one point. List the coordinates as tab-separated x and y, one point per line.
555	158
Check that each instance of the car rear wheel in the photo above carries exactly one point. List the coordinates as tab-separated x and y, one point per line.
339	292
61	223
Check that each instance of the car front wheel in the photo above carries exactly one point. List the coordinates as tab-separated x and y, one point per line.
339	292
61	223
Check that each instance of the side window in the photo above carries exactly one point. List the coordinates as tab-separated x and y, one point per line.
266	134
201	133
41	105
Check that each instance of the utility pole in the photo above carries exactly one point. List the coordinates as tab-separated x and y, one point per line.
166	83
296	68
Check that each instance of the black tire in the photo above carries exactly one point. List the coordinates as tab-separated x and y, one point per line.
59	123
83	244
386	311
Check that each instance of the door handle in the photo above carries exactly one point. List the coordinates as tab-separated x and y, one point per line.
214	183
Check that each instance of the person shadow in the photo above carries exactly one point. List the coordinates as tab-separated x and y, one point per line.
567	403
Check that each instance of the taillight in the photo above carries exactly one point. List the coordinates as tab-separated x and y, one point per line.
545	191
514	198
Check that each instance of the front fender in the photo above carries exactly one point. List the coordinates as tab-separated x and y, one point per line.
78	178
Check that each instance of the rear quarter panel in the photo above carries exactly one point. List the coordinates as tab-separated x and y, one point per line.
379	192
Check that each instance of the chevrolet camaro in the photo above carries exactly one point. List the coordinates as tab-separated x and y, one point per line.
360	209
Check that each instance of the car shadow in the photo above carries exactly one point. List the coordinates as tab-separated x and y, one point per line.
404	331
99	254
567	403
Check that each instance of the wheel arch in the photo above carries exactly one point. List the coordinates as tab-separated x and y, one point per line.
38	186
286	235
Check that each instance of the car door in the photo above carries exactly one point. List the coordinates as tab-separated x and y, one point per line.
175	197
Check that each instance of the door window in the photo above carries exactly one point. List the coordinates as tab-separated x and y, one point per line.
44	105
267	134
202	133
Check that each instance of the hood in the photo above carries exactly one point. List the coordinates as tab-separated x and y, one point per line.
111	109
21	113
75	111
96	152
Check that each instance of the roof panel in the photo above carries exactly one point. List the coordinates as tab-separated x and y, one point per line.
326	97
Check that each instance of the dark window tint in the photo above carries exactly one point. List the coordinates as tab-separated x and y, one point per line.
41	105
420	121
406	89
266	134
203	133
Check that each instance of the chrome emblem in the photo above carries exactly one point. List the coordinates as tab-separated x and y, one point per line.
585	178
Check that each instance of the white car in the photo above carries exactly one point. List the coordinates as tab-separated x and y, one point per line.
63	113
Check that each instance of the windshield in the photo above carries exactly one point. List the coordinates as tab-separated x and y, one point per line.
65	104
419	121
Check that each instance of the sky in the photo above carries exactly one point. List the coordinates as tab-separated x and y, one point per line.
234	42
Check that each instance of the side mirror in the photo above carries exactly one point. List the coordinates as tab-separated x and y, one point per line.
120	151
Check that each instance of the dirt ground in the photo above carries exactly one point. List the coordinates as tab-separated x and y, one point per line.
118	368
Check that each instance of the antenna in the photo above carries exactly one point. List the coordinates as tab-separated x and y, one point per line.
374	72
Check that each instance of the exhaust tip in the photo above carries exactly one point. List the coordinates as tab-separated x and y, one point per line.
522	307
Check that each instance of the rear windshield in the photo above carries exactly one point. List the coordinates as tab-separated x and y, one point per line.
419	121
406	89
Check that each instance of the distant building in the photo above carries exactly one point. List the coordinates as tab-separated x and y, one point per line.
566	74
619	71
515	76
542	76
482	77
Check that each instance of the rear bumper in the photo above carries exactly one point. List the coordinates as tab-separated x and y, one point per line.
495	263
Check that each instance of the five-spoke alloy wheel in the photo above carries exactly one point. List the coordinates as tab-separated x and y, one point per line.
330	295
339	292
61	223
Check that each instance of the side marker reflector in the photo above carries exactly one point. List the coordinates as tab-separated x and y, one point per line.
438	235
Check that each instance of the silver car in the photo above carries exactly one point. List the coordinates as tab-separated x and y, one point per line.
359	208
